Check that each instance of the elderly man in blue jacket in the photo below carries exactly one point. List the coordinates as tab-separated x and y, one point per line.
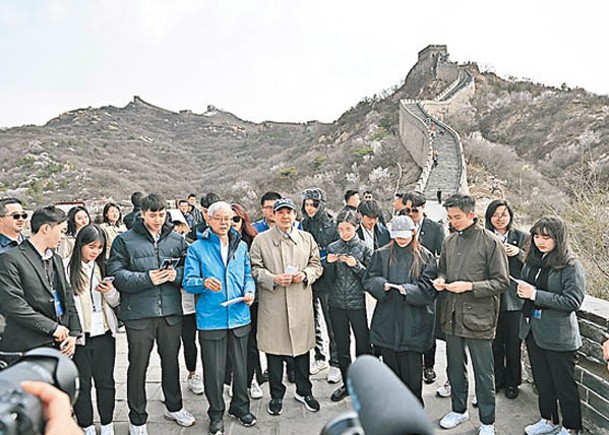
218	271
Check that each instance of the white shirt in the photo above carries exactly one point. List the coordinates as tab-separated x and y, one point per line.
368	237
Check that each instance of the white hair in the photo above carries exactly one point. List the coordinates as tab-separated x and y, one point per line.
219	205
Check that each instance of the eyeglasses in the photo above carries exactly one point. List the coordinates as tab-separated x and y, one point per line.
413	210
17	216
236	219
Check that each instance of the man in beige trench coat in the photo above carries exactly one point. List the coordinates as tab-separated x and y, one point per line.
285	263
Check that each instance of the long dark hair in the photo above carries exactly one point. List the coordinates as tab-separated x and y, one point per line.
419	256
87	234
248	232
72	219
556	228
490	211
107	208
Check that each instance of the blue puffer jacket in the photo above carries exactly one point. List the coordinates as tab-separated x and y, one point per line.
204	260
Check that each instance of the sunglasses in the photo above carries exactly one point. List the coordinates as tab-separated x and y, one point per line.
236	219
17	216
411	210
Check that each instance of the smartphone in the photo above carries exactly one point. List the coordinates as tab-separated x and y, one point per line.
108	279
169	263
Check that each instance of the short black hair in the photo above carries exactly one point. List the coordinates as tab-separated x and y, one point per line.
370	208
463	202
271	195
348	216
153	202
192	195
47	215
349	193
7	201
136	199
416	198
208	199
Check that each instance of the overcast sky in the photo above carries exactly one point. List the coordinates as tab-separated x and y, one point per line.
283	60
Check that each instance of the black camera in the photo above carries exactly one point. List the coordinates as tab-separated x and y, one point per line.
20	412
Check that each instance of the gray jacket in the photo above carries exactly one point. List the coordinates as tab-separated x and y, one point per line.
556	328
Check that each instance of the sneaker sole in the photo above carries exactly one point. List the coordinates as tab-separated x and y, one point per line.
243	424
170	418
301	400
275	414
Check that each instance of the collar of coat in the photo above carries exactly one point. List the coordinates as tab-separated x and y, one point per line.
279	235
140	228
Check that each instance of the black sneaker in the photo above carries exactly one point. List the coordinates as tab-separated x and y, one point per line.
429	375
511	392
216	427
309	402
246	420
275	407
339	394
264	377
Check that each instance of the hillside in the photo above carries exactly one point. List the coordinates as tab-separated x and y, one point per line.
110	152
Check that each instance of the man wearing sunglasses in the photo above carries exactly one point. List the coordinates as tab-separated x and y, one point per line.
12	222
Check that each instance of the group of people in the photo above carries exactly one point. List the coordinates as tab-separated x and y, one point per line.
244	288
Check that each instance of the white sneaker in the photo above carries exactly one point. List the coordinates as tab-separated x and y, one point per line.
195	384
138	430
453	419
487	429
317	366
181	417
89	430
565	431
444	390
255	390
228	390
542	427
107	429
334	375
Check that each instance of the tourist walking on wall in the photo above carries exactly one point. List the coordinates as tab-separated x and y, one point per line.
218	271
318	222
499	218
473	272
151	308
285	263
344	269
400	278
554	290
112	224
78	217
94	299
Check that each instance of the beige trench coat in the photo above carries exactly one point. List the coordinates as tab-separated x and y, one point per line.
285	314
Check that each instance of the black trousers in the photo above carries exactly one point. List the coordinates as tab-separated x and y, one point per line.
253	354
216	347
166	332
301	374
189	341
95	360
342	322
506	350
482	360
555	382
408	366
320	304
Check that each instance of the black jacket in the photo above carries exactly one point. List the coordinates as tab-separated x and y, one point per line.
323	229
347	291
130	218
431	235
26	300
402	323
135	253
381	235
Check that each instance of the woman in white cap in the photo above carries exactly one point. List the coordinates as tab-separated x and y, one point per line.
400	278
